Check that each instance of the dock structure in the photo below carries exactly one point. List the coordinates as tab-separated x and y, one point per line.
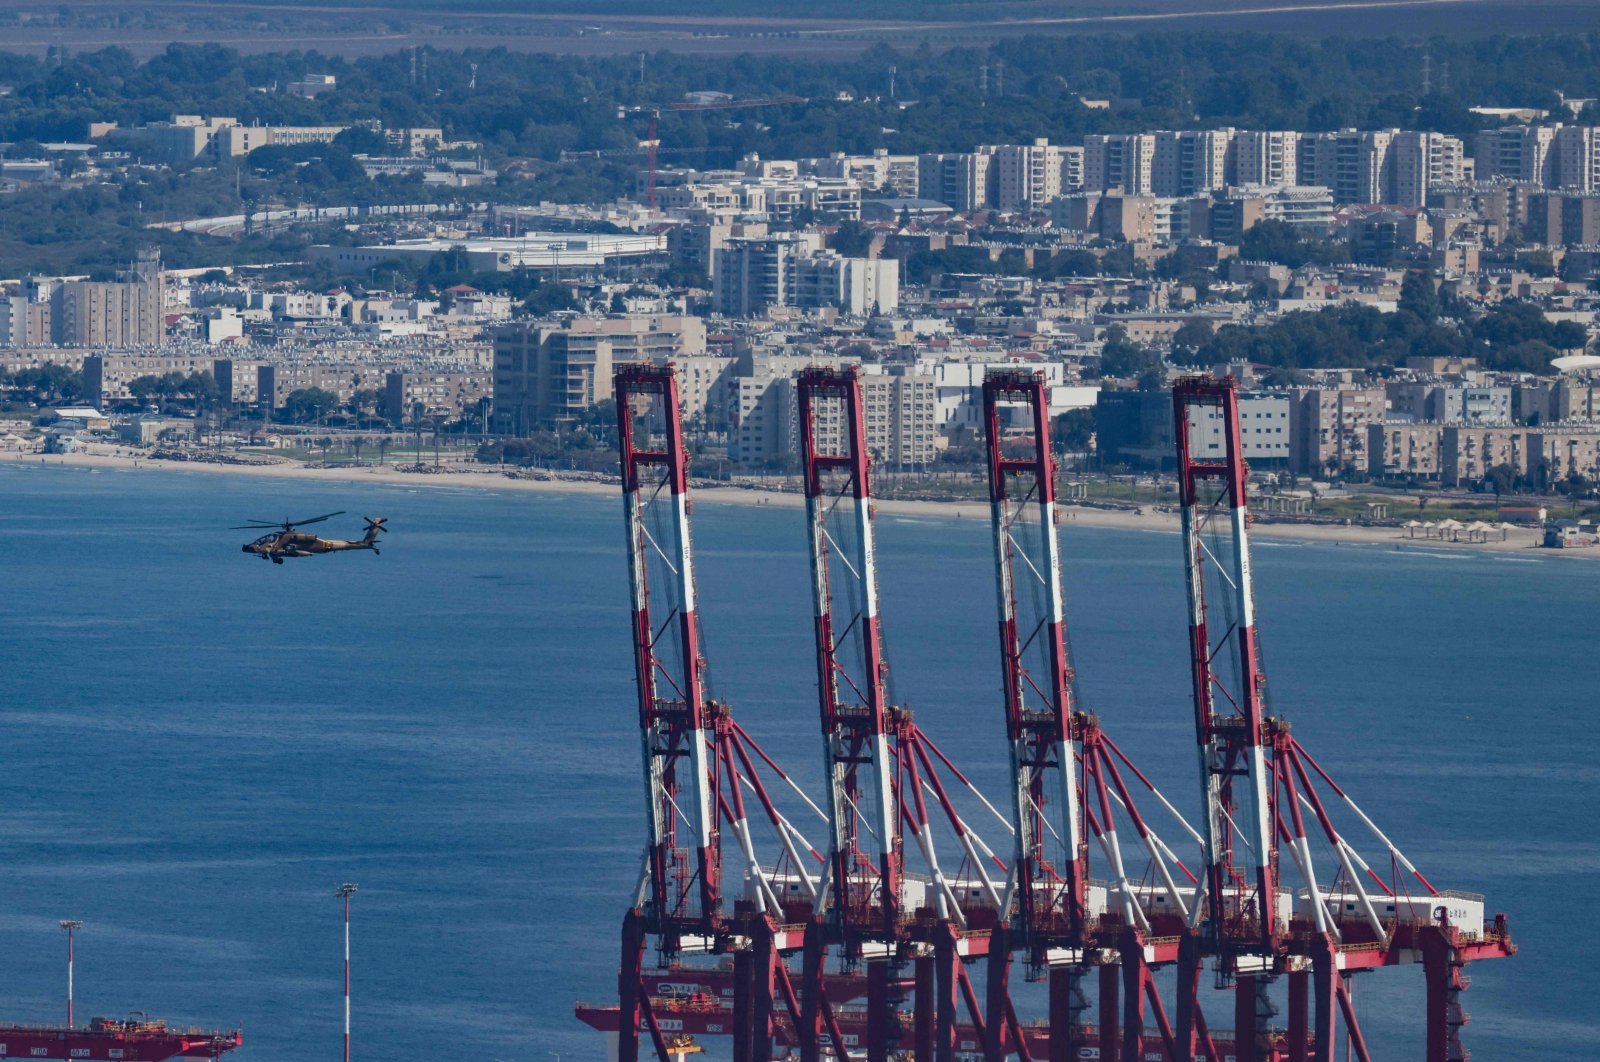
850	950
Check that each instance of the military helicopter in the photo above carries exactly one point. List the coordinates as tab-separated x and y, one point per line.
284	541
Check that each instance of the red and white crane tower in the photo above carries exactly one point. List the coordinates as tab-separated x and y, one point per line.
1067	786
878	769
698	761
1259	787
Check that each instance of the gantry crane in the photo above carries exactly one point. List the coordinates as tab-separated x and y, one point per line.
878	768
1066	783
1258	788
698	764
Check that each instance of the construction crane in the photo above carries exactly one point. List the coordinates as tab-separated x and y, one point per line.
1259	787
651	144
1066	782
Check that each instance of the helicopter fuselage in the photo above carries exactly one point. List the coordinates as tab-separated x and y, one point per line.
275	546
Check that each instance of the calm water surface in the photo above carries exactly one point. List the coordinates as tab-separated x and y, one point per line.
201	746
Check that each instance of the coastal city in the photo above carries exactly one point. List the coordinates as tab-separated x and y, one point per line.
1410	315
1130	340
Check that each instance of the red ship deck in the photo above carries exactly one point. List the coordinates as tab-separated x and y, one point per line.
114	1040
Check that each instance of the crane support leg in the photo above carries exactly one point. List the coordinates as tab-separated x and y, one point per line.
743	1017
1134	973
923	1021
764	958
1324	985
630	985
1247	1032
808	1030
1188	993
947	984
1067	1004
1299	1027
1442	965
1110	1023
996	985
879	1012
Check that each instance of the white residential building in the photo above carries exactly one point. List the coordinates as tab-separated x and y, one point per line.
1119	161
1031	175
1265	158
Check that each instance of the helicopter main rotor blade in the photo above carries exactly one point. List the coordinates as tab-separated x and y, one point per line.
314	519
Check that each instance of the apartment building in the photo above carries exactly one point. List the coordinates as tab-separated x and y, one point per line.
107	374
1577	158
447	395
546	374
752	275
1466	454
1451	403
1461	455
1555	401
703	383
1330	427
899	173
961	180
1423	161
1226	216
1030	176
1267	158
1190	161
695	245
1133	218
1517	153
275	382
1123	162
128	311
1569	218
1356	165
901	410
778	198
761	409
1403	448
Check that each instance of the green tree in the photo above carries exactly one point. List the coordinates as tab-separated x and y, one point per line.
1419	295
309	405
1501	479
1120	356
1190	338
1074	430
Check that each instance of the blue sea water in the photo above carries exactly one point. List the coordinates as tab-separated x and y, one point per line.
200	747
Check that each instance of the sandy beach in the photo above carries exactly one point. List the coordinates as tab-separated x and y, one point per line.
458	477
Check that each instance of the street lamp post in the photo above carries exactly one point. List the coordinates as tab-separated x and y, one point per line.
70	925
343	892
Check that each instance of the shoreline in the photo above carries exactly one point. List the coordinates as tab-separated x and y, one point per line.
1520	540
